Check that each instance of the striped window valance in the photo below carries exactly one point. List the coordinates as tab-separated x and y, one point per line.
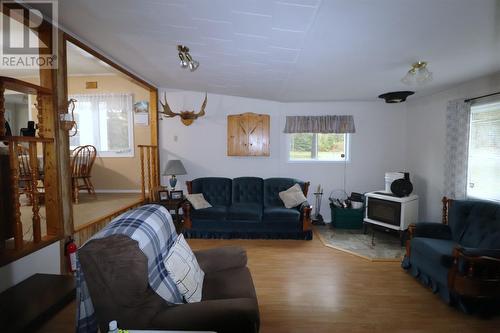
319	124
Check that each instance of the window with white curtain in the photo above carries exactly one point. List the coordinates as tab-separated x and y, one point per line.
105	121
483	171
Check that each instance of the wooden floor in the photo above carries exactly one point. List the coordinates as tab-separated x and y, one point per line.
306	287
91	208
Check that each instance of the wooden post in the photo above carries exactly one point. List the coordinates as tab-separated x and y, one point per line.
446	205
149	171
306	222
33	158
2	109
153	107
143	182
39	107
14	179
148	155
155	173
60	92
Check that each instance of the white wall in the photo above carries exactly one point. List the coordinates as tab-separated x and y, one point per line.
425	141
376	147
388	137
46	260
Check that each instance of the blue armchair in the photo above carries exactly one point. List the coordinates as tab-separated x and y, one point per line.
459	259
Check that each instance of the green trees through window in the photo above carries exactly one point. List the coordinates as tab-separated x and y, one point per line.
317	146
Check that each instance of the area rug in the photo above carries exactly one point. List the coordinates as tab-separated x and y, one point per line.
385	247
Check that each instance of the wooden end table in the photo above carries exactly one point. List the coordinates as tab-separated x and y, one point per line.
175	205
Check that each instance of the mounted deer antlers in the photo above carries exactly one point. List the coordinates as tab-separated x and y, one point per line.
187	117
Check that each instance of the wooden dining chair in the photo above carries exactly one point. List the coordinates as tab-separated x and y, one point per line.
25	176
82	160
25	180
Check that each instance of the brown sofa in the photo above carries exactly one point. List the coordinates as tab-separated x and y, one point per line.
116	273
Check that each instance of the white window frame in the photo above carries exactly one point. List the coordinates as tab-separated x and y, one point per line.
103	137
347	145
469	196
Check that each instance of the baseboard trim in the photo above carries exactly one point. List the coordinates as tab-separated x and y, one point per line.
113	191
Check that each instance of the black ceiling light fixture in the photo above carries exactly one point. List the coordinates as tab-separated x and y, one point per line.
396	96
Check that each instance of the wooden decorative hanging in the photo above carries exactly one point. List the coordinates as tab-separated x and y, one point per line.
248	134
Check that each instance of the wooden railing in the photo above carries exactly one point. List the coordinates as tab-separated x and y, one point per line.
149	172
24	166
149	186
19	165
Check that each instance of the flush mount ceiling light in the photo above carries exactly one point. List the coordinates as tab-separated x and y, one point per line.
396	96
417	75
186	59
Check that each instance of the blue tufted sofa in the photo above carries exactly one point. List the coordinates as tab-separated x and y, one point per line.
246	207
459	259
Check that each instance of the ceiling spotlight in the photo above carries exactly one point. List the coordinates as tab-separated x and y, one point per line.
193	65
183	62
417	75
186	59
396	96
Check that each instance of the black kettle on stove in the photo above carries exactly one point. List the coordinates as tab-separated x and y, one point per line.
402	187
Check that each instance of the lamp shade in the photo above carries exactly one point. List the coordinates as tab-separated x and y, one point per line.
175	167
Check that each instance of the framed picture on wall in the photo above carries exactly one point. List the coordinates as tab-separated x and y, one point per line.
176	194
163	195
141	107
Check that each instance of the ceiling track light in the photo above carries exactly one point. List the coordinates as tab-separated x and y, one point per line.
186	59
417	75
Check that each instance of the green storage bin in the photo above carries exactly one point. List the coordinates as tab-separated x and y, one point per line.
347	218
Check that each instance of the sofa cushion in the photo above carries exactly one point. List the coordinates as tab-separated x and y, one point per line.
293	196
431	260
272	188
481	224
221	258
184	270
216	190
244	212
198	201
248	190
211	213
229	283
276	214
438	251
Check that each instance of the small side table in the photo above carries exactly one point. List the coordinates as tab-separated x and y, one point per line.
175	205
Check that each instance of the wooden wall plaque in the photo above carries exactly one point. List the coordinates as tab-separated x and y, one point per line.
248	134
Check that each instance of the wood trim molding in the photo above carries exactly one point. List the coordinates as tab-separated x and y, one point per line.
189	186
446	206
154	129
9	255
306	188
100	56
23	86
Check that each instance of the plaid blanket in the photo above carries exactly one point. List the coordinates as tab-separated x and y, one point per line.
151	226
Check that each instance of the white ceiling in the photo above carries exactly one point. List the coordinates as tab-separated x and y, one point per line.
79	62
82	63
294	50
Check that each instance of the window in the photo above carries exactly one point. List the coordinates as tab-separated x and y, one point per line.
317	147
483	171
105	121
